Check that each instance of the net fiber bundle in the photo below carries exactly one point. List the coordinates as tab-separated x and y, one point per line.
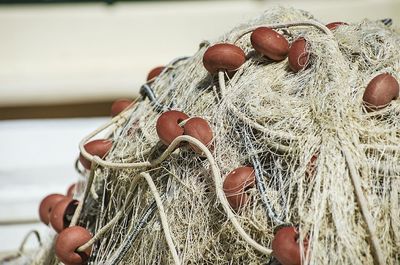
323	163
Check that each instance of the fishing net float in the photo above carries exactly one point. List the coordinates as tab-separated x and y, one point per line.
277	143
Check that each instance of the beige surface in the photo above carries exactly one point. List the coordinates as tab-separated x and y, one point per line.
59	53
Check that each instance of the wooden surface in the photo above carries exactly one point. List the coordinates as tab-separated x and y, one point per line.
48	111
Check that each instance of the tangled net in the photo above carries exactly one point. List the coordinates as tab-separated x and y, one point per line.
322	162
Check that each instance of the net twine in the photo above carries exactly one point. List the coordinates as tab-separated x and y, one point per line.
218	186
144	166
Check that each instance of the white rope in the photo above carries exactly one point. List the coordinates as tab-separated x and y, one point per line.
363	204
101	232
163	217
220	193
79	208
120	118
312	23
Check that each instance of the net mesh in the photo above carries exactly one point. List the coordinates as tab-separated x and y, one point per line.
291	127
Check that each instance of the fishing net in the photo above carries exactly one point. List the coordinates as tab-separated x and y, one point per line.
324	164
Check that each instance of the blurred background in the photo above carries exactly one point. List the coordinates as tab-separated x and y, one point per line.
62	63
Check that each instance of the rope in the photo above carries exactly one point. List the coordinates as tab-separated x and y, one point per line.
79	208
363	204
286	25
78	169
120	118
23	243
100	233
163	216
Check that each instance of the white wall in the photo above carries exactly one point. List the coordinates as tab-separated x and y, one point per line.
58	53
37	158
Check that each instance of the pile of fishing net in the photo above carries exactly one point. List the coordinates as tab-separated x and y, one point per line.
276	143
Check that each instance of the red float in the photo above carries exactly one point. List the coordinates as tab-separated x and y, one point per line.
167	126
270	43
199	129
285	247
298	55
381	90
63	210
67	243
223	57
98	148
334	25
236	184
120	105
47	205
155	72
